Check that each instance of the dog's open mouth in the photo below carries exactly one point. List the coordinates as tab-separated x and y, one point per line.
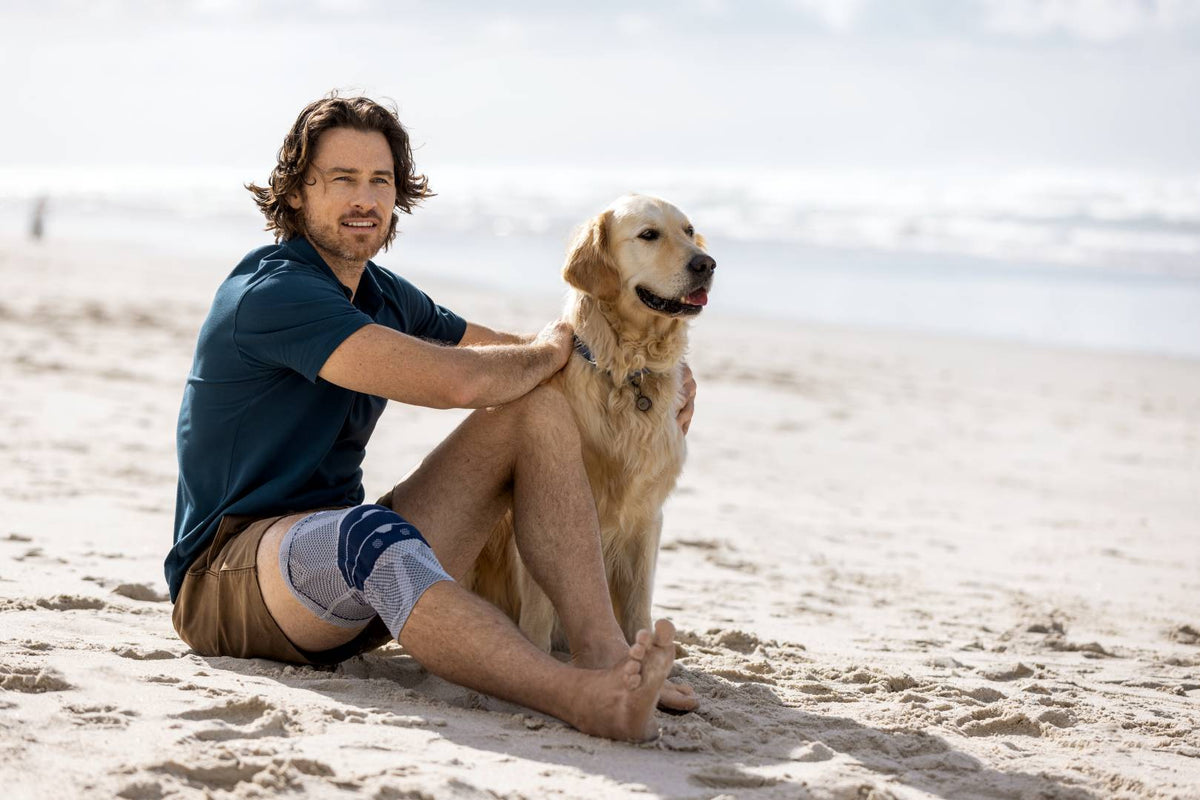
683	307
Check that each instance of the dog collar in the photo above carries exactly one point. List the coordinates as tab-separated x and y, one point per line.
644	403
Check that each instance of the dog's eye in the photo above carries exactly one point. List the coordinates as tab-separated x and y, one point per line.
689	230
649	235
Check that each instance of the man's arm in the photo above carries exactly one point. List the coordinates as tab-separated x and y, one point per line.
380	361
479	334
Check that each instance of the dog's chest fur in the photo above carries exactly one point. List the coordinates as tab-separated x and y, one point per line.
633	456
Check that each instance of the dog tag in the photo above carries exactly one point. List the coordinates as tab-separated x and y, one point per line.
644	403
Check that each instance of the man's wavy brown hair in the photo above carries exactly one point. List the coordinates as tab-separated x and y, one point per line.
332	111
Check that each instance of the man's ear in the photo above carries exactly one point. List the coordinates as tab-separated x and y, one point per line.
589	267
293	199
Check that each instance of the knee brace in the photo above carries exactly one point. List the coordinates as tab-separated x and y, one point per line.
349	565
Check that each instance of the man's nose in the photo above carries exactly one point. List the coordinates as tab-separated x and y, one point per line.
365	196
702	264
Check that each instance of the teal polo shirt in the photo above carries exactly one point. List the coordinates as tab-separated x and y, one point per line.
259	433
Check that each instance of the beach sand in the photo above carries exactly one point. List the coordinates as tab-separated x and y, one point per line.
901	566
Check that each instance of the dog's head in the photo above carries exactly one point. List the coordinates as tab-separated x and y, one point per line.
642	255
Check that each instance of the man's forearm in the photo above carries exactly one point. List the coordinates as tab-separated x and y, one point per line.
498	374
386	363
477	334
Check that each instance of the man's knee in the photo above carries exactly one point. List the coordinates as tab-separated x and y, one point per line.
545	412
364	534
350	565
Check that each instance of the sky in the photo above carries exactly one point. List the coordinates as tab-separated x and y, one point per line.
840	84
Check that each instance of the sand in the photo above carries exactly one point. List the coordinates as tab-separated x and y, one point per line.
902	567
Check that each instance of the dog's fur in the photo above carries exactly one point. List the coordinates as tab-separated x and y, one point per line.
633	457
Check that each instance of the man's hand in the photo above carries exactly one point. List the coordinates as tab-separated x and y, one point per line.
687	393
559	336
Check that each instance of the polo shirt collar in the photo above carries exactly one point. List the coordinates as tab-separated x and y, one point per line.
369	297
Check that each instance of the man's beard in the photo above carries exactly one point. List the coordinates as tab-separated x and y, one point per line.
345	244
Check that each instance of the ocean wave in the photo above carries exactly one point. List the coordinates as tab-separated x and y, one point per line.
1114	222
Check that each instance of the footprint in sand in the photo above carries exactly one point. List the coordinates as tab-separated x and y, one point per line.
739	641
728	776
141	591
101	716
984	694
1058	717
1007	673
276	724
142	790
141	654
234	712
249	718
1184	634
70	602
32	680
1058	643
167	679
994	722
813	751
224	770
1050	625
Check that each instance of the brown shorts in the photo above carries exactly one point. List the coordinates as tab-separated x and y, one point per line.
220	609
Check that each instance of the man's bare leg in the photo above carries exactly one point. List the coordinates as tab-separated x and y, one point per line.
458	636
526	455
461	637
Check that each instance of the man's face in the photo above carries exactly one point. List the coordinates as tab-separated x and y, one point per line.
348	195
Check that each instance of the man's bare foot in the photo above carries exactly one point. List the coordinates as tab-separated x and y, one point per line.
618	703
678	697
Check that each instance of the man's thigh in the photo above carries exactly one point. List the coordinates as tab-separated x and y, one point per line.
301	626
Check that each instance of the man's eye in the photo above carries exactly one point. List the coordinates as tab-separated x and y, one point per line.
649	235
341	178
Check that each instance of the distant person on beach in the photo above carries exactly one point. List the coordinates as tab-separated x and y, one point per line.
37	223
274	554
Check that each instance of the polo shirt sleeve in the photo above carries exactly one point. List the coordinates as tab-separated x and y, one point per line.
295	320
426	319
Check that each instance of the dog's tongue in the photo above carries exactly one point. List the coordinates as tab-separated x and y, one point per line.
697	298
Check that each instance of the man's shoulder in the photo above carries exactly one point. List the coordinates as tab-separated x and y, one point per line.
273	257
389	281
276	267
408	309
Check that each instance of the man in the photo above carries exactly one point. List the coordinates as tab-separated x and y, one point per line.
306	341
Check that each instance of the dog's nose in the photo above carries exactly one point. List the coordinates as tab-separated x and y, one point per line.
702	264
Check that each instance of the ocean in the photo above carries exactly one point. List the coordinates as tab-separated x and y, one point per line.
1106	261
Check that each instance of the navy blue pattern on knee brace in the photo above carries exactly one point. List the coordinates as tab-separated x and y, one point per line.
364	534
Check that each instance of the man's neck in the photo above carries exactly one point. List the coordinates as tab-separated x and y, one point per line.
348	273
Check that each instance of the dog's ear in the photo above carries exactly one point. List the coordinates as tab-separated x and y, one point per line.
589	267
700	241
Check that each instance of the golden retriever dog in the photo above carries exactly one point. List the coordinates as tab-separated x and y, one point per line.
638	273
